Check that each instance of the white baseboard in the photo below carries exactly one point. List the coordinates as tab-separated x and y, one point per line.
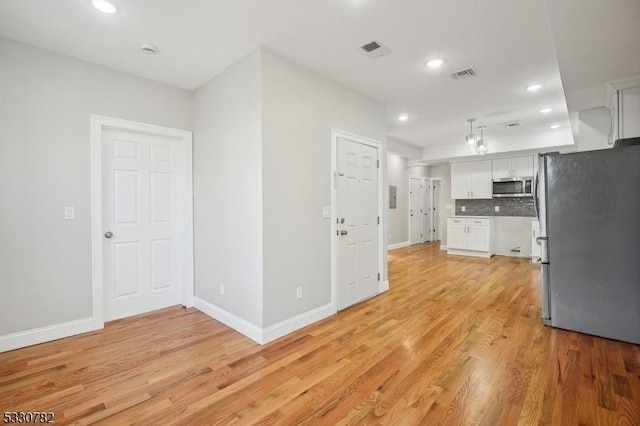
240	325
398	245
268	334
285	327
383	286
35	336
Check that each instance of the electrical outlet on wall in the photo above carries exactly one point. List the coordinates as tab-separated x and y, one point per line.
69	213
326	212
299	293
497	208
463	208
221	289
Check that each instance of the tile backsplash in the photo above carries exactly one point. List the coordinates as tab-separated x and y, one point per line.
512	206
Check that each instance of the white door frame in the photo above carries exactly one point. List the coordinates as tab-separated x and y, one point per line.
184	137
335	134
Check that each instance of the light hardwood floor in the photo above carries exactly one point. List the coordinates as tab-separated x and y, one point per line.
456	340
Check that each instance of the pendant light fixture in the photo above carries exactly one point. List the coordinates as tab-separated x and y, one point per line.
471	138
481	143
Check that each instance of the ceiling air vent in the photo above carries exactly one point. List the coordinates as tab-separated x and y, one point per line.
466	73
375	49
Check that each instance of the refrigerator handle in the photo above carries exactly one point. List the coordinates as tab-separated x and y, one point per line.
536	201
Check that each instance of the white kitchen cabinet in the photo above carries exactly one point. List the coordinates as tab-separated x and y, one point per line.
501	168
480	179
456	234
471	180
478	237
629	113
624	103
470	236
522	166
535	247
515	167
459	181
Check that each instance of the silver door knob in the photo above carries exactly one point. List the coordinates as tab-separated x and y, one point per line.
343	232
108	235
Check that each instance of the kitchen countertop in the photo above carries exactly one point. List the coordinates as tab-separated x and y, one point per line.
469	217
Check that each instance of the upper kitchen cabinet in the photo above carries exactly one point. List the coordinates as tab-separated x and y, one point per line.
471	180
624	103
516	167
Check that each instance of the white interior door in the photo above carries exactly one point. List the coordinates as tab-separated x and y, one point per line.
357	197
426	210
415	211
436	209
141	190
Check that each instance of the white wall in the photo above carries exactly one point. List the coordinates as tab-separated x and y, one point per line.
228	194
401	163
398	227
512	232
45	104
443	171
299	110
409	151
593	129
417	171
262	132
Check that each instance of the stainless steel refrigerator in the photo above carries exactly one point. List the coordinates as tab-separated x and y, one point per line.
588	205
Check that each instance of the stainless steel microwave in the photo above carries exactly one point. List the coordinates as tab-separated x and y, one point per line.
513	187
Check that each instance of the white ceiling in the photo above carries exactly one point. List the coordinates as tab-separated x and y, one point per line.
509	43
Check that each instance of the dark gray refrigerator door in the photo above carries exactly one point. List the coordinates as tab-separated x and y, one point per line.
593	226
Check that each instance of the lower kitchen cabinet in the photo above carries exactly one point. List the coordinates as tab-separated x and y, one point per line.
470	236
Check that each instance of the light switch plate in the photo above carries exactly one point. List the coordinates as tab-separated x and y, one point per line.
464	209
497	208
69	213
326	212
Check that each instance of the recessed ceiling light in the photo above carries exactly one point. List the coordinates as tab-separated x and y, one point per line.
104	6
554	126
545	110
534	87
403	117
435	63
